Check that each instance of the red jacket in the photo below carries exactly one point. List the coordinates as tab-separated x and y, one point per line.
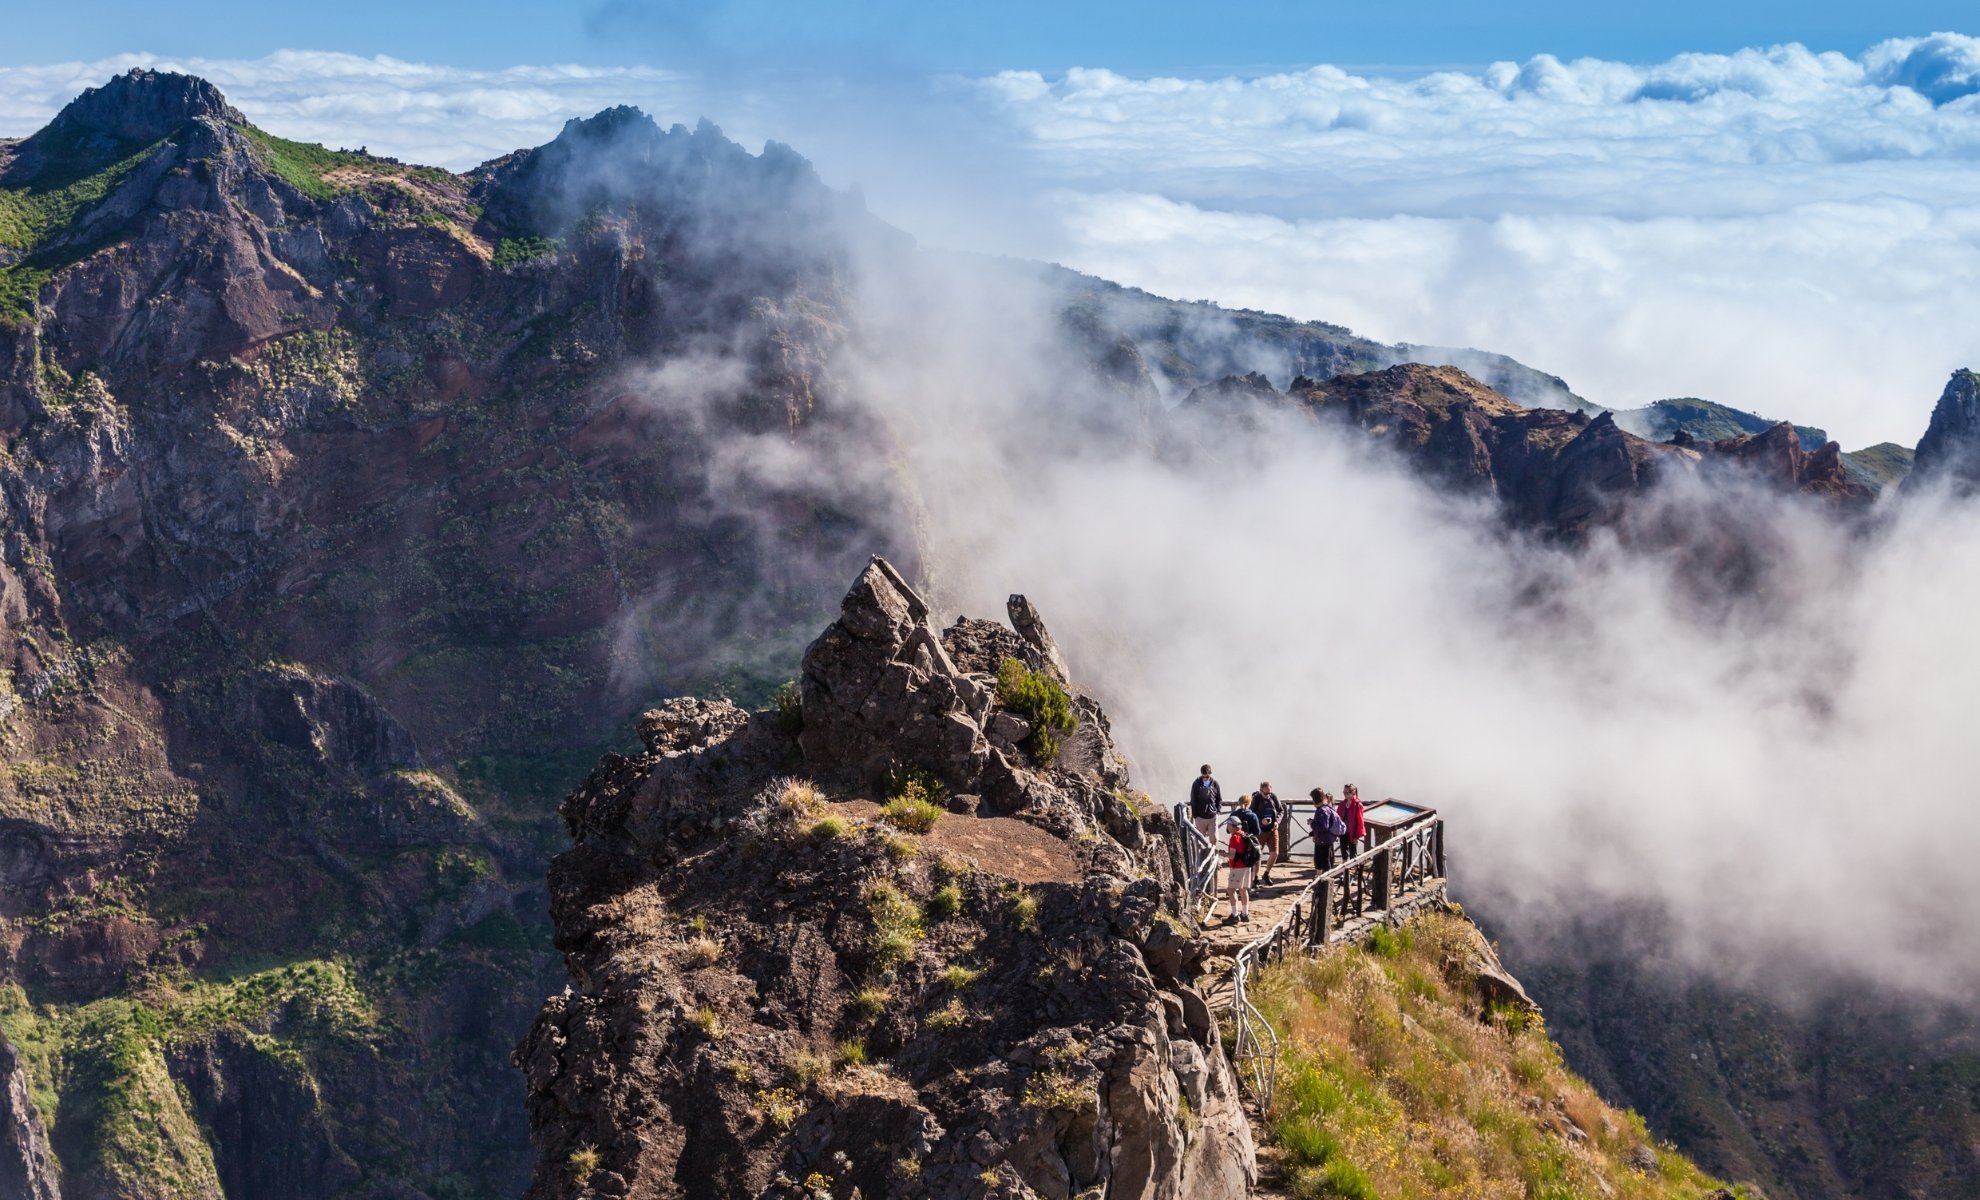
1350	810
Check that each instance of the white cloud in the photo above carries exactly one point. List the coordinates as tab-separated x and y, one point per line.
1783	230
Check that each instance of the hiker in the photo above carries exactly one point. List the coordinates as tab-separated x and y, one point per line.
1205	799
1350	812
1328	829
1271	826
1243	860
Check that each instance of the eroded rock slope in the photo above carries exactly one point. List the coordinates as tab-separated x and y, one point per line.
774	994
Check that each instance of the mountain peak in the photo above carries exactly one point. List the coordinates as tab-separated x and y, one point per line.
143	105
1951	445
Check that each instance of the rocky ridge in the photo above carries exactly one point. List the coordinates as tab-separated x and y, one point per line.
1950	450
1554	470
771	997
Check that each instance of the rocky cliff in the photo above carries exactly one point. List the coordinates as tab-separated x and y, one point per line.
339	532
1949	452
1554	470
780	989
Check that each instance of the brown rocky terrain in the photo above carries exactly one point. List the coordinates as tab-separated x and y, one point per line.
772	996
337	524
1556	470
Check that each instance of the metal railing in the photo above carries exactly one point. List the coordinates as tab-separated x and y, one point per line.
1372	881
1201	857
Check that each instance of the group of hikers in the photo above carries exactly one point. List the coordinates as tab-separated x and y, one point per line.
1253	833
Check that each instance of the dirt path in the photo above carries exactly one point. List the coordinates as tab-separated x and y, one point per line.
1002	846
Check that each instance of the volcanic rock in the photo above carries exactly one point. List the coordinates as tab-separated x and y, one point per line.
1950	450
730	931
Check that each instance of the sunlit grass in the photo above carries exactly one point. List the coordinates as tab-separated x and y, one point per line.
1392	1085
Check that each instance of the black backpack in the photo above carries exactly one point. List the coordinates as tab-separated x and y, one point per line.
1203	797
1248	853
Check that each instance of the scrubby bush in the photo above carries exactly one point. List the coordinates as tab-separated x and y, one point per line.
957	977
911	812
828	829
946	902
799	797
790	708
1040	699
897	928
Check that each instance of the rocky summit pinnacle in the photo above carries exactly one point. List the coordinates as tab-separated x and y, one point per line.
143	105
1950	449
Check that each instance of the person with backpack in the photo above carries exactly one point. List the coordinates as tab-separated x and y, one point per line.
1271	812
1328	829
1205	800
1242	862
1356	828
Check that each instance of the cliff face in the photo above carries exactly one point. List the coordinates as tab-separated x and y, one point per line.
1845	1092
1553	470
332	489
774	993
1950	449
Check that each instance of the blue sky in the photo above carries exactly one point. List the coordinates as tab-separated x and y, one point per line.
1185	36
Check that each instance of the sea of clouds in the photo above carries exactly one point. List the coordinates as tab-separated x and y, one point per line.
1788	231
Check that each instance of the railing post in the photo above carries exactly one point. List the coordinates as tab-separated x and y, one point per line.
1382	880
1323	913
1437	846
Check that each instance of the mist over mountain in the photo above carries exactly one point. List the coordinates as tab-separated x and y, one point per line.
355	507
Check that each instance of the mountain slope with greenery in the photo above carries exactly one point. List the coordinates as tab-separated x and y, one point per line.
1398	1081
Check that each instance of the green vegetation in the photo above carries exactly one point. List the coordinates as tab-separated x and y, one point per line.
897	927
911	811
307	166
1024	912
946	902
868	1003
1039	698
1388	1074
74	174
828	829
1707	421
1058	1089
788	699
515	251
956	977
1879	466
584	1160
108	1058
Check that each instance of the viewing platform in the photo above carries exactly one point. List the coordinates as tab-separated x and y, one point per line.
1397	870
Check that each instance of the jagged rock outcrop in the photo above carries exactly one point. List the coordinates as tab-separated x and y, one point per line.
27	1169
772	995
1949	453
1554	470
1777	455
